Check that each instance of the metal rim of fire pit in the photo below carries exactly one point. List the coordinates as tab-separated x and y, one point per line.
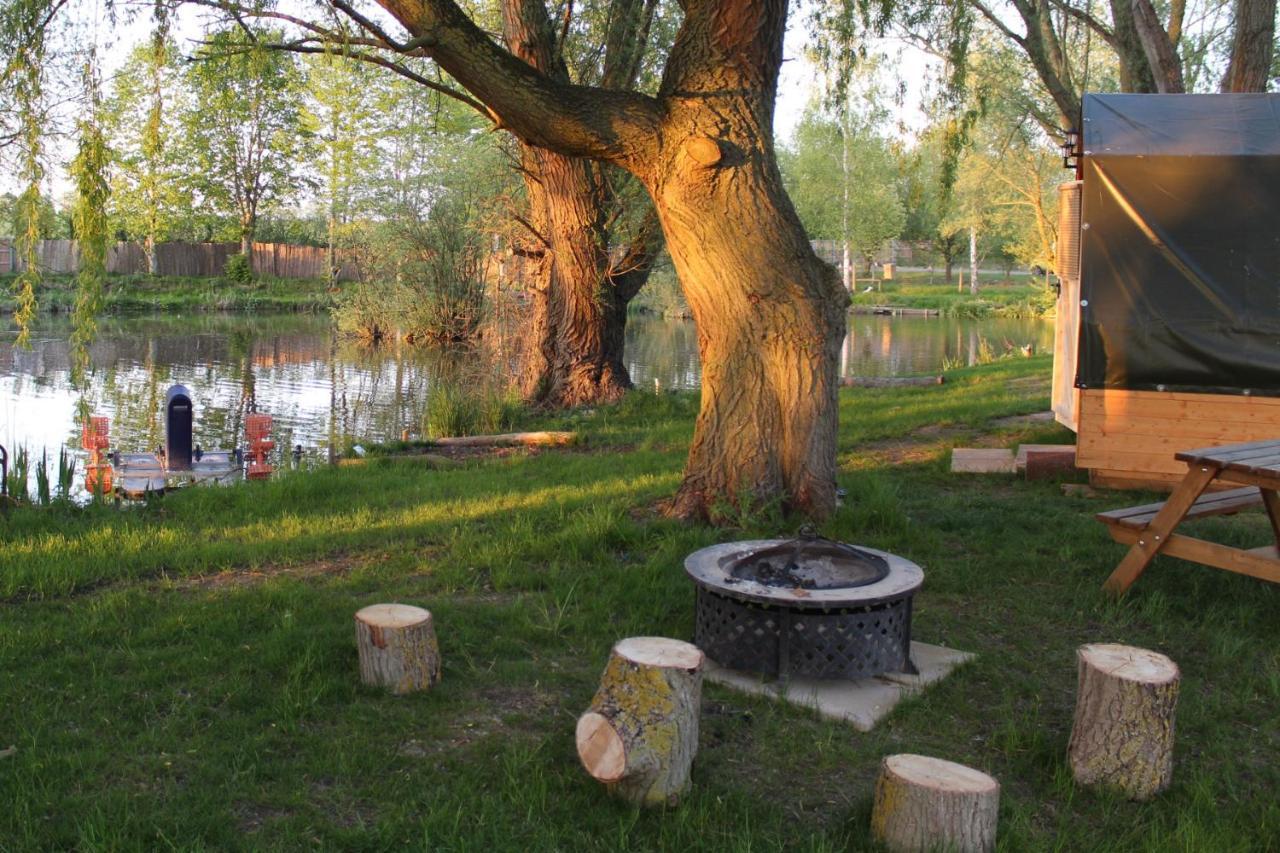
835	633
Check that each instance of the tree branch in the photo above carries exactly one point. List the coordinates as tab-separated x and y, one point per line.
574	120
1165	65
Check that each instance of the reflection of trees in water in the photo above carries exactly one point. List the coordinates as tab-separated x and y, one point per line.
663	349
320	391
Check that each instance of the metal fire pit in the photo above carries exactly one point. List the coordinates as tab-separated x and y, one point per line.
806	606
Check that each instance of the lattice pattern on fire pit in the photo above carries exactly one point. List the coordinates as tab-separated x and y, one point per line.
847	633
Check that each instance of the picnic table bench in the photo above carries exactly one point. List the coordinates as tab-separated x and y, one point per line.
1149	529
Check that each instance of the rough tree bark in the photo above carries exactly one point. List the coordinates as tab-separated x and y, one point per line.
1252	46
924	804
770	314
397	647
1124	720
1160	50
583	287
640	734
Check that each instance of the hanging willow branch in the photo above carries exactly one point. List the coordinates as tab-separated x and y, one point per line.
26	72
89	218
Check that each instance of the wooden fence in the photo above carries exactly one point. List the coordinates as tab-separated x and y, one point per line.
189	260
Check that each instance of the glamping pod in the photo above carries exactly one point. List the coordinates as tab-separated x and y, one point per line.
1168	324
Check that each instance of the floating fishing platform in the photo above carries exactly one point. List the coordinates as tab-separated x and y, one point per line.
138	475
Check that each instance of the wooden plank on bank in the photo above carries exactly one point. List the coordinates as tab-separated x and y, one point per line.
509	439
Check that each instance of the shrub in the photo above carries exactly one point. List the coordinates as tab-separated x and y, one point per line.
238	268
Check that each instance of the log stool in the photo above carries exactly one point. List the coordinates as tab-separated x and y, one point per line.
924	803
398	649
1123	731
641	732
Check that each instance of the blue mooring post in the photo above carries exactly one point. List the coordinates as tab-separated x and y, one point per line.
178	424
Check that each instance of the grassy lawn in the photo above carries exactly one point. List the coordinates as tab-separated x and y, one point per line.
1020	296
170	293
183	675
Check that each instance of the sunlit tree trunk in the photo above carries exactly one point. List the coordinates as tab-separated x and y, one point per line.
770	314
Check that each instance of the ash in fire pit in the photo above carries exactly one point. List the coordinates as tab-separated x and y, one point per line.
806	606
810	563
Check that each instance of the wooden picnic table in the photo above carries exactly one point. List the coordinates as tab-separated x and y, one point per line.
1149	529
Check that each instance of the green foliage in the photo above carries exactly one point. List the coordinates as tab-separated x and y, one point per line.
26	73
469	408
842	173
151	190
426	279
238	268
19	474
244	137
89	217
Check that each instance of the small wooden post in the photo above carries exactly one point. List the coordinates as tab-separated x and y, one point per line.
398	649
641	732
1123	732
924	803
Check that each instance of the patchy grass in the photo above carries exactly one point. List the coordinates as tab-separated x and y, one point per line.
136	293
183	675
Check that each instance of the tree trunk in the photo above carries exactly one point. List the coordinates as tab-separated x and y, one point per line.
579	310
246	239
397	646
770	314
149	249
1252	46
579	314
770	318
924	804
1161	53
640	734
973	261
1123	731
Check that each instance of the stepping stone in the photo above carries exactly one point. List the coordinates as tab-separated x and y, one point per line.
974	460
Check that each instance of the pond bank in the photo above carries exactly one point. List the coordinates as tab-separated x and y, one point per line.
187	670
140	294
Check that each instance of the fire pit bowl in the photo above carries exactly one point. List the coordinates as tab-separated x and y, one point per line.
808	607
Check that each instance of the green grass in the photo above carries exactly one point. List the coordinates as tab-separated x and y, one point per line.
134	293
1020	296
183	675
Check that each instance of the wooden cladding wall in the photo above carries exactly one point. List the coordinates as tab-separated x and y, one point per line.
1128	438
191	260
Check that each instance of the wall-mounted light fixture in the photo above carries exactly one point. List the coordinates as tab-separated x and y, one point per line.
1071	149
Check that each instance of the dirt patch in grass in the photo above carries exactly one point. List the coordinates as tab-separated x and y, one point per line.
339	564
492	716
251	817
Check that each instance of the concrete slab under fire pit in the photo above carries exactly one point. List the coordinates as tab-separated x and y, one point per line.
864	702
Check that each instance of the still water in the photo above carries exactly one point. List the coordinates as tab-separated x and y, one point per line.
324	392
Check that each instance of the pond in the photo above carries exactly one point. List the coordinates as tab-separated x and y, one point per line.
324	393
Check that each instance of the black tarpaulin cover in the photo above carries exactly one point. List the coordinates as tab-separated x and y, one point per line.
1180	252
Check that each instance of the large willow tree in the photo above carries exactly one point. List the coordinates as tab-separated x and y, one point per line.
770	314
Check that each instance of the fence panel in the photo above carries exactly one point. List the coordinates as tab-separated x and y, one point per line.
188	260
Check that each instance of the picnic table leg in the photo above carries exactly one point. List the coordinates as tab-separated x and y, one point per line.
1272	502
1156	533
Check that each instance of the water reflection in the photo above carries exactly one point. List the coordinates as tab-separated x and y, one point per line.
323	393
